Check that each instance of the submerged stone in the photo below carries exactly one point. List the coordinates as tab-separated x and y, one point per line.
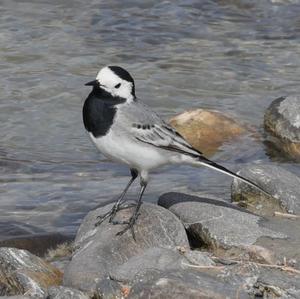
206	130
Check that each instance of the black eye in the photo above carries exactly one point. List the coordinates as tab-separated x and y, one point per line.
118	85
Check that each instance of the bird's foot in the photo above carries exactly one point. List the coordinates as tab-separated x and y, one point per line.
112	213
129	225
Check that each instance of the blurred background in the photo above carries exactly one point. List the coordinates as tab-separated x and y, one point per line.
233	56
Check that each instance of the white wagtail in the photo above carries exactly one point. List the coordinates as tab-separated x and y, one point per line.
125	130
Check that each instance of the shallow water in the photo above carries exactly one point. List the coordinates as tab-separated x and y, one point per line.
233	56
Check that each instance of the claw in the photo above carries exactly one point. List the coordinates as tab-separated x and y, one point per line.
112	213
130	225
102	218
119	208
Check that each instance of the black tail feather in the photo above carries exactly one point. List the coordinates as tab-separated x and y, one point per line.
206	162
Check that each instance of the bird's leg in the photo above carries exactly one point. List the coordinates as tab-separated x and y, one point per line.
116	207
135	214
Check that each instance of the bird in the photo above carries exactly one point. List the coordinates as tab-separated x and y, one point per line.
127	131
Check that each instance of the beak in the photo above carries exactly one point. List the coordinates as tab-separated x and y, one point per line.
92	83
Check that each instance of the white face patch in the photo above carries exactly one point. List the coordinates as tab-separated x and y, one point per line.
113	84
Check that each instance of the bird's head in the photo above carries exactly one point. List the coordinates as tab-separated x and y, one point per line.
116	81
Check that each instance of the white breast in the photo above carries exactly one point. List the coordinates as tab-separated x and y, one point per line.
134	154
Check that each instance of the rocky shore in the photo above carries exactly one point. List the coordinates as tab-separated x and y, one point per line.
186	246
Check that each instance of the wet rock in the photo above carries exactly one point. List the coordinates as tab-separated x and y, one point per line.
280	183
37	244
159	259
282	120
65	293
206	130
184	284
216	223
21	272
99	250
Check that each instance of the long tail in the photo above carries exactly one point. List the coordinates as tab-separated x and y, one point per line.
208	163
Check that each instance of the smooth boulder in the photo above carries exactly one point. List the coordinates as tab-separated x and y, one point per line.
184	284
99	250
159	259
216	223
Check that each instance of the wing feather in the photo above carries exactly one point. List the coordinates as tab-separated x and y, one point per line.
165	137
146	126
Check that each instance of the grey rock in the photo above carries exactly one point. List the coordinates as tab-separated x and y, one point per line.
14	297
282	121
262	282
216	223
21	272
280	183
283	118
184	284
153	258
278	284
99	250
284	249
65	293
108	289
159	259
199	258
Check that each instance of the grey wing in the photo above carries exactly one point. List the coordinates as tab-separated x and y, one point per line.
147	127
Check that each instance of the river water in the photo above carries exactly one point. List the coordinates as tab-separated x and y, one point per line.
233	56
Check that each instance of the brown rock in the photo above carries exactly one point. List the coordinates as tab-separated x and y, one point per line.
206	130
